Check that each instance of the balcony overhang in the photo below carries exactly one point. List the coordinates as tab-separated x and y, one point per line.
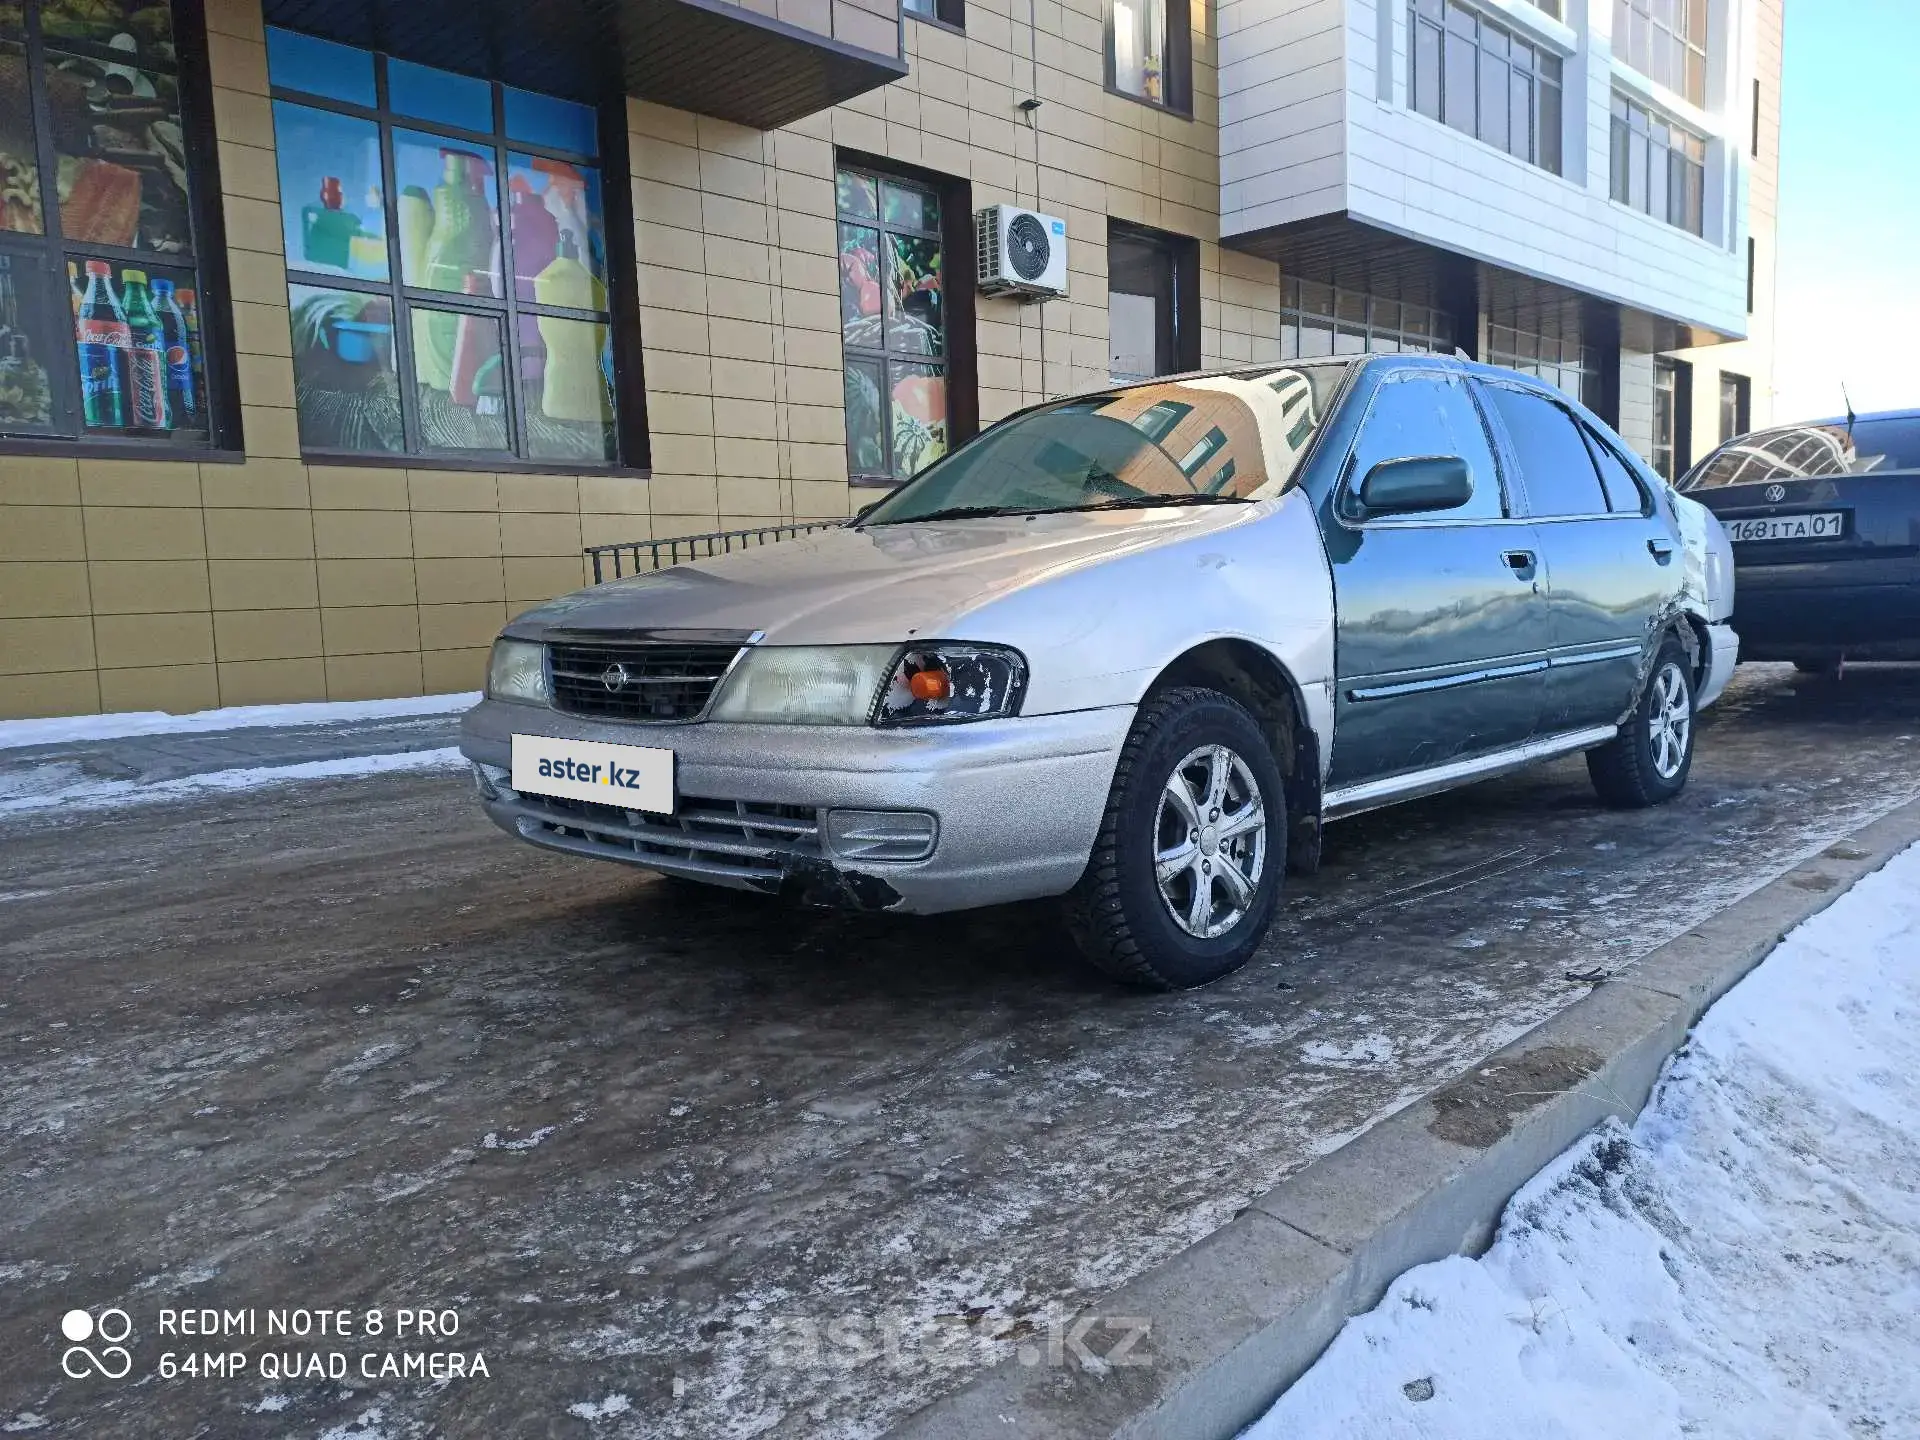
1358	254
713	57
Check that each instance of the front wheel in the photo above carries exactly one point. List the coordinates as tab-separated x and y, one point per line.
1185	872
1647	763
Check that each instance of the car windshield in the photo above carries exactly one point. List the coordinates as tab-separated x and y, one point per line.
1223	439
1799	452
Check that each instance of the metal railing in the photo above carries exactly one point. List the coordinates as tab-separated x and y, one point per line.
626	557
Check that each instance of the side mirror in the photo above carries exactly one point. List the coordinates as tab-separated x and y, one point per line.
1416	485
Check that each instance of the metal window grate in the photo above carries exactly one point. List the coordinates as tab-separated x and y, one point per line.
636	557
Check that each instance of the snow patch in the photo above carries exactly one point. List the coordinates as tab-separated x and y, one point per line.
1740	1263
61	786
492	1141
600	1410
15	734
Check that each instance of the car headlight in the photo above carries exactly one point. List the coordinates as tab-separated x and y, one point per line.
517	670
805	684
871	684
944	683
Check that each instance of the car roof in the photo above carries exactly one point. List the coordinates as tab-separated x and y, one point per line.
1840	420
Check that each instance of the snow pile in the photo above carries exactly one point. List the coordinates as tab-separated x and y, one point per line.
65	787
1743	1263
62	729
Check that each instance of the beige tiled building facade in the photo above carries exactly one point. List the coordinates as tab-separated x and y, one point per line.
144	574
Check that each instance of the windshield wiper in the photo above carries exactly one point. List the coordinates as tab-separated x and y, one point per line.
1157	502
956	512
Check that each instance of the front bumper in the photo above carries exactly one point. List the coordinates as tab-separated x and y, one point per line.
1723	653
1016	802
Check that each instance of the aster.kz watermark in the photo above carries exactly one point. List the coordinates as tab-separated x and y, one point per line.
909	1341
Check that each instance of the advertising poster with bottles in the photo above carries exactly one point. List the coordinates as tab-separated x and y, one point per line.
127	350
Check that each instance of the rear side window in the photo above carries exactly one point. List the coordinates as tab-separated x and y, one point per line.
1554	462
1624	495
1800	452
1430	413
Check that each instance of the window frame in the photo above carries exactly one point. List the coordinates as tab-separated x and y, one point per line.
1180	327
1448	21
1637	131
1176	66
957	360
1347	508
1384	319
948	14
1675	41
610	165
1737	389
1579	424
49	251
1601	448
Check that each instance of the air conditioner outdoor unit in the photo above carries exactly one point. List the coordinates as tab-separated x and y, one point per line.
1021	252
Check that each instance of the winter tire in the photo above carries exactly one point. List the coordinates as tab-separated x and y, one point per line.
1186	869
1648	761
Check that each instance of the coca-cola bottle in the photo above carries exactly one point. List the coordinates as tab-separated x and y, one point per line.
104	339
146	357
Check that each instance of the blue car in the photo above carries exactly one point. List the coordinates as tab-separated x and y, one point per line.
1825	523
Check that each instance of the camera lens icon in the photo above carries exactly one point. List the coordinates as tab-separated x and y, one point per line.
112	1327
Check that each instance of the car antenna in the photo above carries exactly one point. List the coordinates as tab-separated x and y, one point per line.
1849	404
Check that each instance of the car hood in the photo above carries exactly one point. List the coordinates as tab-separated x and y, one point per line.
879	584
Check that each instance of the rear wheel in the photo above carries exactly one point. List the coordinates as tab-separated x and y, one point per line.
1186	870
1647	763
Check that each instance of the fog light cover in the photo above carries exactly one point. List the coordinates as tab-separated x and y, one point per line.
881	834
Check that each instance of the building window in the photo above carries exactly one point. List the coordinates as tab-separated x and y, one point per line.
1573	368
1756	119
423	325
1672	417
1658	167
1150	52
1666	41
1153	302
893	325
1753	270
947	12
1318	319
97	208
1484	79
1736	405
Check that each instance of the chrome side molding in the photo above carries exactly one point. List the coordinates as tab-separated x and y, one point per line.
1357	799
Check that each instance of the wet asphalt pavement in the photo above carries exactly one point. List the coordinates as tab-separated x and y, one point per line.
685	1163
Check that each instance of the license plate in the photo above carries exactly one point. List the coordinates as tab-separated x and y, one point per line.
633	777
1827	525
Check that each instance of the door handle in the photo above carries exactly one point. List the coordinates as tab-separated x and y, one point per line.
1520	561
1661	550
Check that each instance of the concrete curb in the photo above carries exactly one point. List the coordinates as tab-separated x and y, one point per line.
1237	1317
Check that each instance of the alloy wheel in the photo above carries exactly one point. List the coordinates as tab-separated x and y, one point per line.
1210	841
1670	720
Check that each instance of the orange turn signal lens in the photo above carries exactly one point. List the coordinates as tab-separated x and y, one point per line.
930	685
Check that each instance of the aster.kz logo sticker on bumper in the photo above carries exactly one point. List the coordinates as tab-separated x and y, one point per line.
633	777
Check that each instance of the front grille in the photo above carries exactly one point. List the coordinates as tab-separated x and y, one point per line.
740	841
624	680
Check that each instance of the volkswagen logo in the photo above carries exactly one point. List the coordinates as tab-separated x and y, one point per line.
615	678
1776	493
